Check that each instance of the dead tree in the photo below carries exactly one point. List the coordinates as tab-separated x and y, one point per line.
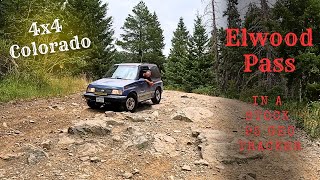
215	40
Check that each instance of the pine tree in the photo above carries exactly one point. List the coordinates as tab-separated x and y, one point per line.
176	65
200	61
231	59
156	42
297	17
232	14
93	23
143	36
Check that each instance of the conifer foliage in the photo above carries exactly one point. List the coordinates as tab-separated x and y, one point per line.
190	61
143	36
176	65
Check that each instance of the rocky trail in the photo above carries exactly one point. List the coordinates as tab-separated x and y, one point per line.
186	136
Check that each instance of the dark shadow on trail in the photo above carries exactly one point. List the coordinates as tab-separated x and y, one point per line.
144	106
118	108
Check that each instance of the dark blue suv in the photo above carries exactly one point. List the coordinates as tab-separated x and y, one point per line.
125	85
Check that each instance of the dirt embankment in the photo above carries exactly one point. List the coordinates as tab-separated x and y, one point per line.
186	136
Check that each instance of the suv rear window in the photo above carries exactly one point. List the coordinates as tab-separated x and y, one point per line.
155	72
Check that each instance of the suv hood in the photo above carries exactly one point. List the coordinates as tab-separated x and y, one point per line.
111	83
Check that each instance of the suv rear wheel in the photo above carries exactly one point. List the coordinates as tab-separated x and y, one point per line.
157	96
131	103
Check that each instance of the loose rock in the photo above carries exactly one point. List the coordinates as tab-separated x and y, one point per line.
136	171
95	127
65	140
249	176
114	122
50	107
127	175
90	149
46	144
197	113
116	138
165	144
84	158
181	116
155	114
35	155
220	167
201	162
136	118
195	132
169	139
110	113
127	144
186	168
141	142
132	130
17	132
9	157
95	159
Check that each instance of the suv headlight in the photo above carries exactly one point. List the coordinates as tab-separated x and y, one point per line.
91	90
116	92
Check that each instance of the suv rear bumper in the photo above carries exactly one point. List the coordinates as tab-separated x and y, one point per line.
107	99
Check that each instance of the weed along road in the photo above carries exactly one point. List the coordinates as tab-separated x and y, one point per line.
186	136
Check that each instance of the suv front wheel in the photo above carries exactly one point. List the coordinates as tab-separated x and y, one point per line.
131	103
157	96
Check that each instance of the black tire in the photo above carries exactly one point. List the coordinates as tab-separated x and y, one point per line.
94	105
131	103
157	96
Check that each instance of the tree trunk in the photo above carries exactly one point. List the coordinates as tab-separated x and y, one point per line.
215	41
270	77
300	90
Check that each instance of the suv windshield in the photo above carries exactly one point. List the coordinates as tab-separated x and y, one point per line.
122	72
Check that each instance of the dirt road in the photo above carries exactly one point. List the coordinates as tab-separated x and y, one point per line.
186	136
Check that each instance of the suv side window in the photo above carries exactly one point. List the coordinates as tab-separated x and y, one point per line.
143	69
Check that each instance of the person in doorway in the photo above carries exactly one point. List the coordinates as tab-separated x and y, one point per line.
147	77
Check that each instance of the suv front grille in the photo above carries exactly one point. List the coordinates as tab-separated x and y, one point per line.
101	91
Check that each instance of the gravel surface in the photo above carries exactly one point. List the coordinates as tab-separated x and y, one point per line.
186	136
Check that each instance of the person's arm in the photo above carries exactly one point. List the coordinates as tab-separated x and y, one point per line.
149	82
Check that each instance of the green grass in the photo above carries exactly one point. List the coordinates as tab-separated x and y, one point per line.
28	87
209	91
308	118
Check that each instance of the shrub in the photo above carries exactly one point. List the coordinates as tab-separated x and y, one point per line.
206	90
28	86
